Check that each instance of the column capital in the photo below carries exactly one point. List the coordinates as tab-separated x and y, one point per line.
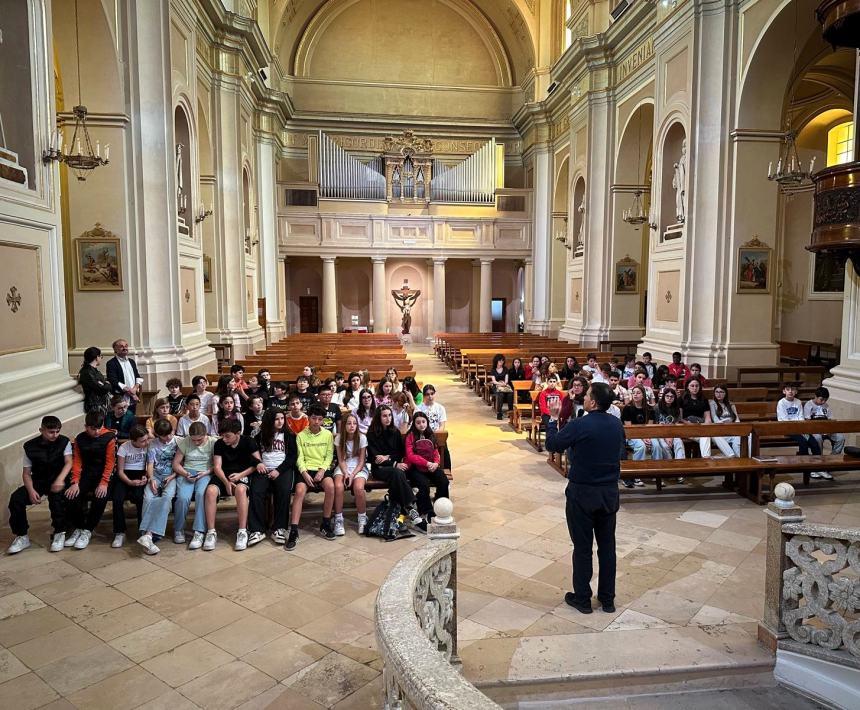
528	261
487	260
439	260
328	258
378	259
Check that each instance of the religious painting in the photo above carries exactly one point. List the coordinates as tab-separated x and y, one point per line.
828	275
754	260
99	262
627	276
207	274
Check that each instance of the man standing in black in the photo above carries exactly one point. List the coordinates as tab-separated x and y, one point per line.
595	444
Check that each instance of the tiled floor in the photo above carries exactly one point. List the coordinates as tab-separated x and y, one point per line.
266	628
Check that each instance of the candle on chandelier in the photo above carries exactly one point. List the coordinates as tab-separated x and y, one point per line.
107	152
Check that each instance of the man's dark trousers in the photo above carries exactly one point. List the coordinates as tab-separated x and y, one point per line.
590	515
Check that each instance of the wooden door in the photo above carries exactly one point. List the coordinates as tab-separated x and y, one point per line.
499	311
309	314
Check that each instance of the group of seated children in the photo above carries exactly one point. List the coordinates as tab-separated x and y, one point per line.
247	440
650	394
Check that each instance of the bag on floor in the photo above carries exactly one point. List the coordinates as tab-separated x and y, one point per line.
384	522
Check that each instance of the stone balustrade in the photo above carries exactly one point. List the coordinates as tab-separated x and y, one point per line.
416	626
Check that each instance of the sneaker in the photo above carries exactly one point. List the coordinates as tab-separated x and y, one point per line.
145	541
607	607
413	515
58	542
72	538
680	480
292	539
338	528
255	537
815	474
22	542
627	484
638	482
210	540
241	540
279	536
83	540
118	540
327	530
826	475
570	600
420	526
362	523
196	541
179	537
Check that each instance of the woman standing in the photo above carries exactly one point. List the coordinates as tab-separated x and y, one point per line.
95	385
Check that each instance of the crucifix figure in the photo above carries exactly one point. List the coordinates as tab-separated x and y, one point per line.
405	299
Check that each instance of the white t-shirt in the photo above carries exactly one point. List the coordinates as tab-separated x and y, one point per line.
352	456
66	452
185	422
435	413
400	418
274	458
135	458
811	410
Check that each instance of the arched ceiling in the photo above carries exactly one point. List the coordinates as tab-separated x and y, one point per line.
500	34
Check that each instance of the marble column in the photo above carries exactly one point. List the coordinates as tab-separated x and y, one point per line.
540	295
439	319
844	385
486	321
275	329
528	288
475	303
329	296
380	302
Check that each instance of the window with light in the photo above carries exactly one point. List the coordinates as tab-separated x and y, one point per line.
840	144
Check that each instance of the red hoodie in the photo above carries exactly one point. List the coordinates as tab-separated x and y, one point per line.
420	458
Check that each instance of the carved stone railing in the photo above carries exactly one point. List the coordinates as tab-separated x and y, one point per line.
416	627
812	586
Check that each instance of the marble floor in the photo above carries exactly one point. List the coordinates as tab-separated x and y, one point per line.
104	628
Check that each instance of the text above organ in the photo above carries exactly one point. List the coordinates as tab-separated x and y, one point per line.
408	173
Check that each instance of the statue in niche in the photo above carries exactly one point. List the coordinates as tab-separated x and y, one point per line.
679	182
580	234
405	299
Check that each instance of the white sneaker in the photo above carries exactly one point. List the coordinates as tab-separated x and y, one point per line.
210	540
638	482
58	542
145	541
254	538
179	537
241	540
22	542
72	538
827	475
279	536
362	523
338	527
83	540
118	540
815	474
196	541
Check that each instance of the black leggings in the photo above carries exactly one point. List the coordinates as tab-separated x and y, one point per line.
399	488
123	492
281	487
504	398
423	481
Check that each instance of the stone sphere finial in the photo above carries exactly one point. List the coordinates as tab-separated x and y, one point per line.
784	495
443	508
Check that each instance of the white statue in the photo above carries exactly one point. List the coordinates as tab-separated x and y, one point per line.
581	232
679	182
179	184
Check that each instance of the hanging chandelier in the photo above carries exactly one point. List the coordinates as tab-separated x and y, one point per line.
80	155
635	214
789	170
561	235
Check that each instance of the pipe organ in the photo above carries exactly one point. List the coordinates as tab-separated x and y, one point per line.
472	181
406	173
345	177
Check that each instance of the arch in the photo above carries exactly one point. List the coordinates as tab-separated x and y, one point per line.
562	187
183	135
204	144
326	18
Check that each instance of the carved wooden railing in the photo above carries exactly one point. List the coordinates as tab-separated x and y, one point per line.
812	585
416	627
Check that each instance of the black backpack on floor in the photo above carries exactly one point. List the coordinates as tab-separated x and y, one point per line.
384	522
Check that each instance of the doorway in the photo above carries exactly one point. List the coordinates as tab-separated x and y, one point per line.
499	312
309	314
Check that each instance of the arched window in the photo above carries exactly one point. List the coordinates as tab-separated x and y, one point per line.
840	144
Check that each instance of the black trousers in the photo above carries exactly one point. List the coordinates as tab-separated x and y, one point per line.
399	488
422	482
590	513
502	398
19	501
123	492
85	512
806	443
281	488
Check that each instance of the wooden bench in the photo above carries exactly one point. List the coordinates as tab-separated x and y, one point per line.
781	374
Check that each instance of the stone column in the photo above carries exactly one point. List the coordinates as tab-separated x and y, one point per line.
541	239
275	329
486	321
380	302
438	295
844	385
528	288
475	303
329	296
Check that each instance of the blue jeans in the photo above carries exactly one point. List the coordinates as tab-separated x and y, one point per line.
639	449
184	490
157	508
661	450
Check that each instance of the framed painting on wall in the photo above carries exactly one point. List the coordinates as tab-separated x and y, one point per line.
627	275
99	262
207	274
754	266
